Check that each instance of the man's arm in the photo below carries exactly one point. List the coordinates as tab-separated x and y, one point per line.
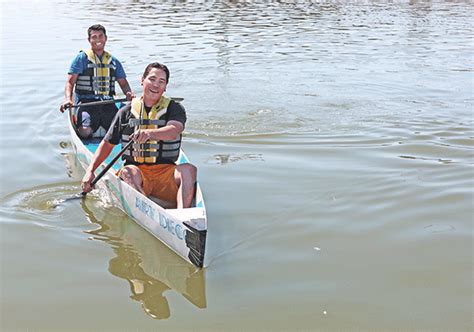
127	91
169	132
100	155
70	82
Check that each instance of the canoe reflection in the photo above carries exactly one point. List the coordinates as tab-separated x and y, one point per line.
148	265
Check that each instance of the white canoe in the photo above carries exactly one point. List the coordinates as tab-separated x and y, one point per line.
182	230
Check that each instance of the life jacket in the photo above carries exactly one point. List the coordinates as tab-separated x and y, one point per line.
99	77
151	152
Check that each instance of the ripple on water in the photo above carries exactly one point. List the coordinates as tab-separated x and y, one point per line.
42	205
222	159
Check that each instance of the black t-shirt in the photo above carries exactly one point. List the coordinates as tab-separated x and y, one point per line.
175	112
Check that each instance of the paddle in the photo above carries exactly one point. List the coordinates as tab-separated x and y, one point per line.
100	102
111	101
102	173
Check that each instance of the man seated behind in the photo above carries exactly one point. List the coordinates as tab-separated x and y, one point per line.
155	123
92	75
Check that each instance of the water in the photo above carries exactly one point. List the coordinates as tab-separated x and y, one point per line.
334	142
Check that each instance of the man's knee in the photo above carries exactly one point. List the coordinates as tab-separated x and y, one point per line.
132	176
84	132
187	171
128	173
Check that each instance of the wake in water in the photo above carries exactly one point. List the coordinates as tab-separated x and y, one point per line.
45	206
39	199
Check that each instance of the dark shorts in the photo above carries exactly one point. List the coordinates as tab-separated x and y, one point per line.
96	116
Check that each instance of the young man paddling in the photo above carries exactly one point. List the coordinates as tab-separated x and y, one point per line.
155	123
92	75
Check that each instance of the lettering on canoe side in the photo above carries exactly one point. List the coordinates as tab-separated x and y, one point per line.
170	226
166	223
146	208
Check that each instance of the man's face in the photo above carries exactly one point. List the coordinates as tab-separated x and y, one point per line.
154	84
97	40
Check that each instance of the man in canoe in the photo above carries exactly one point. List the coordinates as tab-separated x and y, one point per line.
92	75
155	123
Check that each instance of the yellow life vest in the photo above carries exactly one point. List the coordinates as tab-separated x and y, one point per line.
99	77
149	151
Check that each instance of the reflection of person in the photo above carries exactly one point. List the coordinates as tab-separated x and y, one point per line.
150	294
149	267
155	123
92	75
145	289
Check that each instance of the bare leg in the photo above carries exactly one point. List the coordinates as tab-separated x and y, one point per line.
185	176
131	175
84	132
162	203
84	128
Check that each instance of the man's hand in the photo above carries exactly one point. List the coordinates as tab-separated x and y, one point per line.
65	105
86	181
130	95
141	135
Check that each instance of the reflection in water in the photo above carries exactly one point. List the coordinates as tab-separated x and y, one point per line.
222	159
444	161
148	265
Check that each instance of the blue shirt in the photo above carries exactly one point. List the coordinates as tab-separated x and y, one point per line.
79	65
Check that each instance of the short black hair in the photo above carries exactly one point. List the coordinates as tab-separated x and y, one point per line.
96	27
157	65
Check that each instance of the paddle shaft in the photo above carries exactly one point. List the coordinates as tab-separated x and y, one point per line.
100	102
109	165
112	101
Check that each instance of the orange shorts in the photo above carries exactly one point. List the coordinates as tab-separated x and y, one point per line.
158	180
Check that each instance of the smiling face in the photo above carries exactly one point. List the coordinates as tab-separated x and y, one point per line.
97	39
154	85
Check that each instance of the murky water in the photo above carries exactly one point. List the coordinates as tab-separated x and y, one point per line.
334	142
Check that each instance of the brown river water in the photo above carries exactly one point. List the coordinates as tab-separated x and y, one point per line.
335	148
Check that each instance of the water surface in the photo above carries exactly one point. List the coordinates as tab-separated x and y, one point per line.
334	143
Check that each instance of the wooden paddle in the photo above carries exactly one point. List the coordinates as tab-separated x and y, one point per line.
102	173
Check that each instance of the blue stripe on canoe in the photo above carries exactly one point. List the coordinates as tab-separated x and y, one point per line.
182	160
93	145
200	204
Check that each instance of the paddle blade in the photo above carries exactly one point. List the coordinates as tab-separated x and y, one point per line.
71	198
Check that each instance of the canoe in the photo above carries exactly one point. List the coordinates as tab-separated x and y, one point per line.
182	230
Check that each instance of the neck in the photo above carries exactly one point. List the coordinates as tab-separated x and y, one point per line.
99	52
149	102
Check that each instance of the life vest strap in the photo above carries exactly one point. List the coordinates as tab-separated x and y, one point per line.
101	65
170	153
141	153
99	77
145	146
152	152
146	122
